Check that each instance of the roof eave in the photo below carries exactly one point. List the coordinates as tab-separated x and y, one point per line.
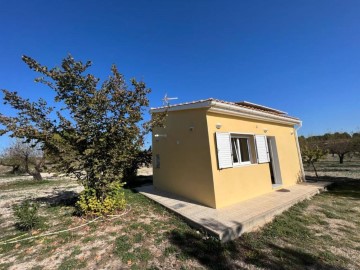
228	109
198	105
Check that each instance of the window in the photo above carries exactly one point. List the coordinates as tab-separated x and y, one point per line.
234	149
157	161
240	150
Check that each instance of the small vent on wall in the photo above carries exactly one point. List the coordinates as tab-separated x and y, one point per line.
157	161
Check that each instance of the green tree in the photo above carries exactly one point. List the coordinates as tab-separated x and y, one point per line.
94	132
143	158
311	153
7	160
356	143
340	144
24	157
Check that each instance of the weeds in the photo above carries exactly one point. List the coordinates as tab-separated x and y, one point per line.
23	184
138	237
307	236
122	245
71	263
26	215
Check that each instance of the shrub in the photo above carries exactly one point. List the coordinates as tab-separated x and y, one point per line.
26	215
95	132
89	204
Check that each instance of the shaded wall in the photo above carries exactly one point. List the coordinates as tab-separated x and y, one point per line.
185	164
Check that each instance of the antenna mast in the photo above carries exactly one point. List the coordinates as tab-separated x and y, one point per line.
166	100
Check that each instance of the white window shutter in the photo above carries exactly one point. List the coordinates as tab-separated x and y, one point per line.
223	150
262	149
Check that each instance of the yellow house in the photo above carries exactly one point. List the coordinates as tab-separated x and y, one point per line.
218	153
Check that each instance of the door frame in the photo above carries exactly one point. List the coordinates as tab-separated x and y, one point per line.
274	158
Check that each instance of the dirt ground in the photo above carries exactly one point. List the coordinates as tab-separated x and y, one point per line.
145	171
93	245
147	236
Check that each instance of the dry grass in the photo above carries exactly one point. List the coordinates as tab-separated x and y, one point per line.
323	233
330	167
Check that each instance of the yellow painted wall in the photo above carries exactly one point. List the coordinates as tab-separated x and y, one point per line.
236	184
185	164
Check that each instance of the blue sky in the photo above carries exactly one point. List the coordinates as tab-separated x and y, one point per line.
298	56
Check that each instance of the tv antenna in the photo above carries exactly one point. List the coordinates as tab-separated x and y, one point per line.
166	100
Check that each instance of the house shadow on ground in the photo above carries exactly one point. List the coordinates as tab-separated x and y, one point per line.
341	186
334	179
346	188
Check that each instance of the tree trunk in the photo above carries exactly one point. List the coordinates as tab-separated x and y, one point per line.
341	158
317	176
37	176
15	169
35	173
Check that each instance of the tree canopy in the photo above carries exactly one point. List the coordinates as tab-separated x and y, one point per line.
311	152
337	143
94	132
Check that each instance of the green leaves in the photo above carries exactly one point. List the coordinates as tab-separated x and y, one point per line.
26	215
98	131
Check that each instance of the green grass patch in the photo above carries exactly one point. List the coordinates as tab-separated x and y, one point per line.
128	256
23	184
66	237
148	229
330	214
138	237
122	245
76	251
326	238
5	248
143	254
37	267
45	250
5	265
9	175
290	225
88	239
71	263
170	250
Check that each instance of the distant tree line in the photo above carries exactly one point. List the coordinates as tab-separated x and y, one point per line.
340	144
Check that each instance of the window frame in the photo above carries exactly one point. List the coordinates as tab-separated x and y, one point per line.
257	148
237	137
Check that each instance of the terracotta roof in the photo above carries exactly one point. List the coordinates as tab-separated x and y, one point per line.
242	104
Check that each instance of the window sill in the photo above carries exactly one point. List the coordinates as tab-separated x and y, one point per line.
243	165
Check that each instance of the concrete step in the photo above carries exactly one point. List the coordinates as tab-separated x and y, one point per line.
230	222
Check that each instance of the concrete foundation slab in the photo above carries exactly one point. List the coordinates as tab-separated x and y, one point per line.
230	222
